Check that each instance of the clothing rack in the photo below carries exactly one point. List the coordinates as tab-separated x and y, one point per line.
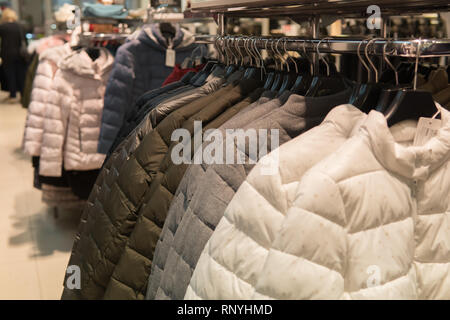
401	48
86	38
270	8
173	16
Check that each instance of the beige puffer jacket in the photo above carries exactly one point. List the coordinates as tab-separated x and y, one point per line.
73	114
42	85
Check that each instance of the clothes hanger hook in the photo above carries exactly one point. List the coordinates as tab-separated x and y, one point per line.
246	41
322	58
283	61
358	52
274	54
217	47
233	47
266	47
225	48
416	68
283	40
366	53
289	56
311	69
239	51
261	59
389	63
254	51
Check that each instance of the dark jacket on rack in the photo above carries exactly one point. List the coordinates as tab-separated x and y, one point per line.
25	99
140	65
129	280
111	213
156	112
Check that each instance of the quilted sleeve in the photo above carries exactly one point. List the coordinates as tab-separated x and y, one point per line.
308	257
225	269
118	97
55	123
34	127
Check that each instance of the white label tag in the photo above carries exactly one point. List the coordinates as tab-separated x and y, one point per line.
427	128
170	58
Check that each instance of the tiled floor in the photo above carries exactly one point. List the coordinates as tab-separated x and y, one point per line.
34	246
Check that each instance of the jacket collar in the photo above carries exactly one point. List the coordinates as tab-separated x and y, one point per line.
80	63
151	35
414	162
56	54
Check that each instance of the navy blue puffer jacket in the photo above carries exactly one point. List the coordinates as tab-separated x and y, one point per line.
139	66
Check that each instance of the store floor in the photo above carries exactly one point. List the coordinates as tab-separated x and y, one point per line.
34	246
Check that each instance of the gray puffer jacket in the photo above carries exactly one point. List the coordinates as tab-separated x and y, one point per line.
205	191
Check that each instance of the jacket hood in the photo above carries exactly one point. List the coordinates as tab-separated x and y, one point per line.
151	35
56	54
80	63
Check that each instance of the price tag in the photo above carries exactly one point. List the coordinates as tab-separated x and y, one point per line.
427	128
170	58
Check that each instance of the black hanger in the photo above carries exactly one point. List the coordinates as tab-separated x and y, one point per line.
251	72
302	84
277	81
290	77
325	85
365	96
387	95
411	104
288	82
303	81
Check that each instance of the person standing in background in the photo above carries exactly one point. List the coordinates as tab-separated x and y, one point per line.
14	66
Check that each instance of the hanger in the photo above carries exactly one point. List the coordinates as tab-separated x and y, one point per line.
411	104
261	67
251	72
387	95
289	78
231	56
328	84
278	75
366	95
270	77
189	61
199	78
303	81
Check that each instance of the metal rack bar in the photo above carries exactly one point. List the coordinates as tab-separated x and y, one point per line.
402	48
91	36
295	7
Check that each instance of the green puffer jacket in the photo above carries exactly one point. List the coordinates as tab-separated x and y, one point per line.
130	277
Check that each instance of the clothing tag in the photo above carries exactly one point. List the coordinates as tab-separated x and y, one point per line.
427	128
170	58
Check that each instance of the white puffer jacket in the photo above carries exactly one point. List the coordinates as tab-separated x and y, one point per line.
73	114
371	221
236	252
42	84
